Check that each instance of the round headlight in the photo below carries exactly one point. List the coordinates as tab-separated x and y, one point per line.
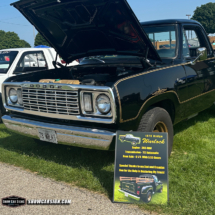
103	104
13	95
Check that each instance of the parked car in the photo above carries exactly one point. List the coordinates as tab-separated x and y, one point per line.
164	46
132	87
18	61
141	188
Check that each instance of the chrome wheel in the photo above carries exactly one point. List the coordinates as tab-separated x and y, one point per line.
160	127
149	196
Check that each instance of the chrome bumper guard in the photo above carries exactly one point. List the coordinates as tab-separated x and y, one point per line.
129	195
68	135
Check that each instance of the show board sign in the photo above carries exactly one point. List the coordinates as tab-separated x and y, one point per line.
141	167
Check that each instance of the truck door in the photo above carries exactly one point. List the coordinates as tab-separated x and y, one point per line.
31	61
165	39
200	77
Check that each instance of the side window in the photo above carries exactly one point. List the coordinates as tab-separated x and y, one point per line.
31	61
195	39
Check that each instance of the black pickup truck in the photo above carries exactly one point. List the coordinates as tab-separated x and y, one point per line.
135	76
130	138
141	188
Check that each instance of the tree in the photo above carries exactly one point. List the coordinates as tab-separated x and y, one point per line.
11	40
40	40
24	44
206	16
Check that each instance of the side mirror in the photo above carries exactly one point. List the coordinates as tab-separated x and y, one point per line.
202	55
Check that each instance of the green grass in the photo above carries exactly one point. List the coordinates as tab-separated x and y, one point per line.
191	166
160	198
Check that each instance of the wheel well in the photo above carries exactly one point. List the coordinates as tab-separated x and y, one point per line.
168	105
2	109
1	104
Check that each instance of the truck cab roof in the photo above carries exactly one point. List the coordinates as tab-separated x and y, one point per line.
169	21
25	49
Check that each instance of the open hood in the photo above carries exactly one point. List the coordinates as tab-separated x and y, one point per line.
81	28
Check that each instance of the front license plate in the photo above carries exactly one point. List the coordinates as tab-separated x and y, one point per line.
47	135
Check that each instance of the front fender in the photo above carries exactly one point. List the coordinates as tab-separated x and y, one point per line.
133	122
145	189
139	92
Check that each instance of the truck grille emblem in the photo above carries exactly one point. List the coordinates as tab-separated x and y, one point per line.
44	86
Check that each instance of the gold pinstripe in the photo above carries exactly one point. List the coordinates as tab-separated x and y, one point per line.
144	73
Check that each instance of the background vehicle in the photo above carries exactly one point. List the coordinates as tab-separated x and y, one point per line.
142	187
23	60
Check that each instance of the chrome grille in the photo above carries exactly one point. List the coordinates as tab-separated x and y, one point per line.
51	101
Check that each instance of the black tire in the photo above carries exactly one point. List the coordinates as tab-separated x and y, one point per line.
1	112
154	116
2	109
161	190
147	197
133	143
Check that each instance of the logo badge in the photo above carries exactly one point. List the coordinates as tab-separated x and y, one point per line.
43	86
13	201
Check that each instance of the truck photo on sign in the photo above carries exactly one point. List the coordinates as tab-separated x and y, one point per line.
141	168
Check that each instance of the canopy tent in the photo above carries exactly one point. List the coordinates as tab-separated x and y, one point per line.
41	46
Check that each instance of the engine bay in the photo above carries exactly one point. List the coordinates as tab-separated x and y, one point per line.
80	75
102	76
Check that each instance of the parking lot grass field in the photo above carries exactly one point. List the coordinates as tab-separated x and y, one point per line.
191	165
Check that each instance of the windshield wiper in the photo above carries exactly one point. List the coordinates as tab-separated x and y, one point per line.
144	61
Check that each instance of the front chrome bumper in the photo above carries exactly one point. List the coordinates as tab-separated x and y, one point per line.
68	135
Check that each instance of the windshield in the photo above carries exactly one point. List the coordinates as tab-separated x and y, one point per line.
163	38
6	60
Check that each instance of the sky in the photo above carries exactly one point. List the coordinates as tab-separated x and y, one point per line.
12	20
